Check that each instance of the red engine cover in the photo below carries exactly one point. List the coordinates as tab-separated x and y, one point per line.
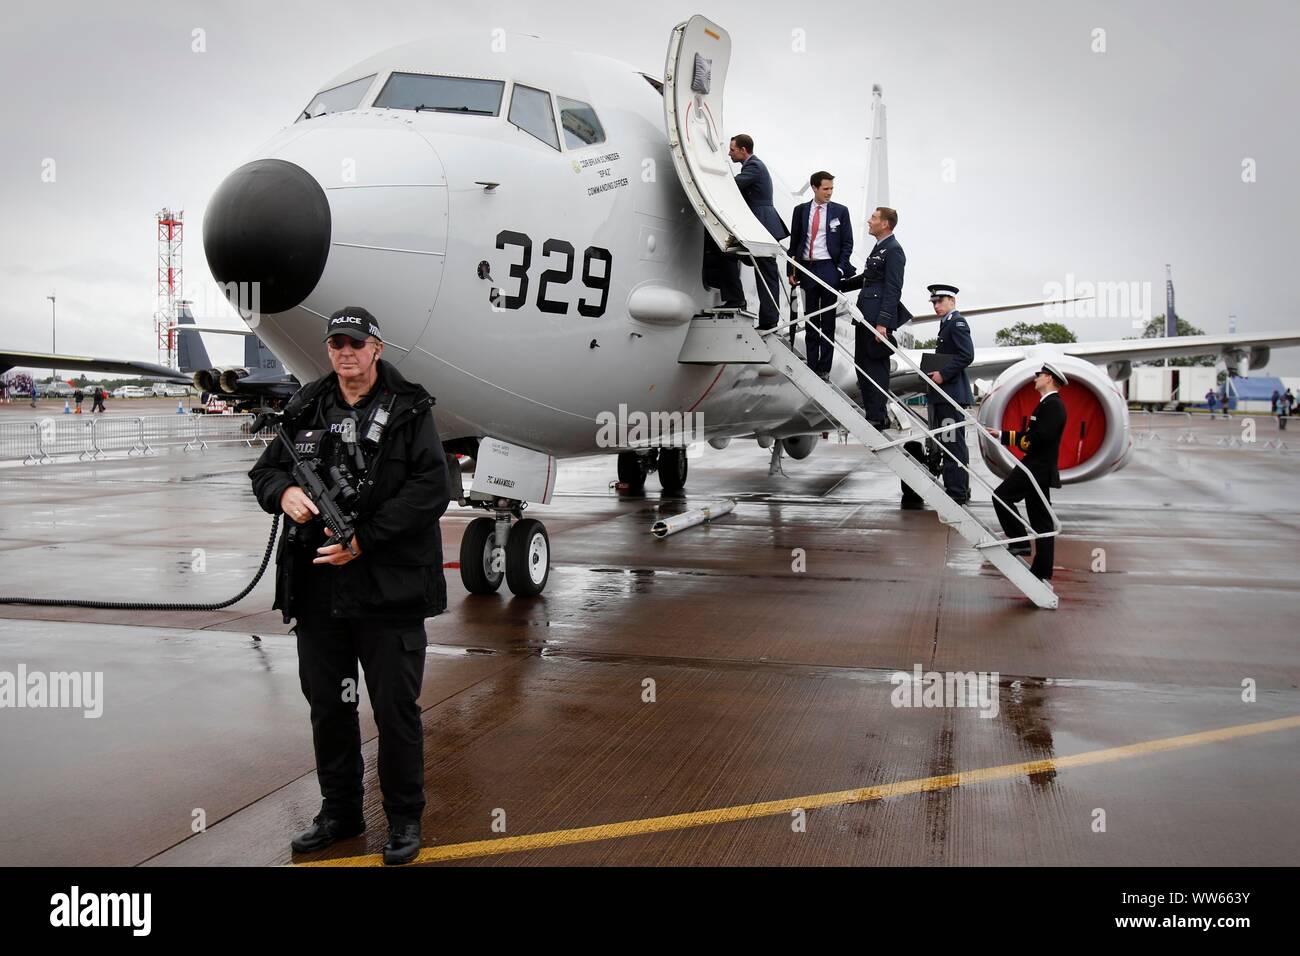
1085	421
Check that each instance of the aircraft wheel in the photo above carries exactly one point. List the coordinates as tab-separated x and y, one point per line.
528	557
672	469
632	470
476	571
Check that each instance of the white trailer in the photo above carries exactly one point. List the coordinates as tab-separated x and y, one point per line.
1192	383
1151	387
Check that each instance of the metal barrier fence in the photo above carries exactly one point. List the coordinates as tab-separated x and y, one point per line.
44	440
1229	431
1150	433
1243	431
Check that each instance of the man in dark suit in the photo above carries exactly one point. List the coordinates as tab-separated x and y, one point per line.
955	349
881	282
1041	445
755	184
821	241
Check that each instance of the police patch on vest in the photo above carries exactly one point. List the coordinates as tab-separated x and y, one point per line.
307	442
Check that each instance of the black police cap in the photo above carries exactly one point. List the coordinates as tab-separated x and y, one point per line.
353	321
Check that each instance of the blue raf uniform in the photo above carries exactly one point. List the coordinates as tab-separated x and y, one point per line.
755	184
881	282
830	266
953	344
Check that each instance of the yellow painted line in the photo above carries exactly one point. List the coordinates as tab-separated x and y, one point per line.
750	811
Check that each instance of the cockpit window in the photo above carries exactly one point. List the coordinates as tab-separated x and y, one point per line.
581	125
441	94
530	110
336	100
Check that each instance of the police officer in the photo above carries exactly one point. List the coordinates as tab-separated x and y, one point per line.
1041	445
881	282
364	599
954	346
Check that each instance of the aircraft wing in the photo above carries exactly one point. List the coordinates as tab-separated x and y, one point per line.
992	309
84	363
990	362
1141	350
211	328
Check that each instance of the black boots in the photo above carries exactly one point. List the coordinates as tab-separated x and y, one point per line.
325	831
403	843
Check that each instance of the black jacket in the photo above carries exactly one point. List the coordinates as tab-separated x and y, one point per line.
881	282
1041	441
399	572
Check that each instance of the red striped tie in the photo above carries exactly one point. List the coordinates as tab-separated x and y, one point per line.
812	235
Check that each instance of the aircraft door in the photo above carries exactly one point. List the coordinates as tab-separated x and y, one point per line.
694	77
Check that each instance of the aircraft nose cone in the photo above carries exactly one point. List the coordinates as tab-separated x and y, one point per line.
268	223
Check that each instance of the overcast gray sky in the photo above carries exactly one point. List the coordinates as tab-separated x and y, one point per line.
1020	155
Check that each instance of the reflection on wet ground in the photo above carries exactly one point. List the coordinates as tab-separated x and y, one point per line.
722	696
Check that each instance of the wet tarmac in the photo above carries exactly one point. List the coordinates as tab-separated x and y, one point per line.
772	735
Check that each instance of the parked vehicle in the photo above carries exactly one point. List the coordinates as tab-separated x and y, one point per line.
59	390
170	390
130	391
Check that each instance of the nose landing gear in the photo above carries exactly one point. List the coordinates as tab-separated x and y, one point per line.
495	550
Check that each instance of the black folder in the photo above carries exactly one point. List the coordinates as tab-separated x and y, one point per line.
933	361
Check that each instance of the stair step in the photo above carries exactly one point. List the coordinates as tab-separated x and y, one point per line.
886	448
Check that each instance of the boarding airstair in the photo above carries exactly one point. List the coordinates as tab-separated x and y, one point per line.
730	338
694	76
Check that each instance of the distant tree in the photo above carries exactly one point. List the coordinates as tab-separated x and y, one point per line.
928	344
1023	333
1155	329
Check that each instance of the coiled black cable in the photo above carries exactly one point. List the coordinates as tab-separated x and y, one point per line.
133	606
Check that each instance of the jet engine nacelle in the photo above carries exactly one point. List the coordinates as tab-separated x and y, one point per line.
800	447
205	380
1120	371
1097	439
1245	361
229	379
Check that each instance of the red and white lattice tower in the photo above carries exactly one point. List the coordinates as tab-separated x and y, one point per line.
171	233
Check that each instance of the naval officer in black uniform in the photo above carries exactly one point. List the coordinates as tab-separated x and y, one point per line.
367	600
1041	444
881	282
955	348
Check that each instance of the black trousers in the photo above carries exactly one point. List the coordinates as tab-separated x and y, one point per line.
877	369
956	481
768	302
392	657
820	353
1016	488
